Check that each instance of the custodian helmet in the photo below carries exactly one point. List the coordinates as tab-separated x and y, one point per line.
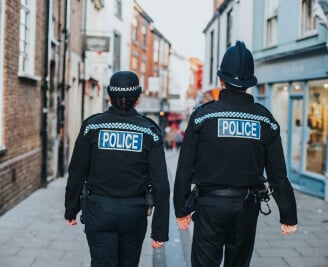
237	66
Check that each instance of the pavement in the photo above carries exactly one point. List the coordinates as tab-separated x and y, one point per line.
34	234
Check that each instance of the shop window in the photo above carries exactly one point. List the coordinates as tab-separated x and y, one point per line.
296	132
317	119
297	88
279	109
271	22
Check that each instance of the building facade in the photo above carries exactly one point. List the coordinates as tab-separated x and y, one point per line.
232	20
291	63
21	69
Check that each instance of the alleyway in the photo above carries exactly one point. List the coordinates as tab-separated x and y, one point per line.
34	234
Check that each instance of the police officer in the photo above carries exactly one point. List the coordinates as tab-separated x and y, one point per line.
119	153
228	144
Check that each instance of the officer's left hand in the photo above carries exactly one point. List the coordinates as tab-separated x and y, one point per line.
183	222
71	222
288	229
156	244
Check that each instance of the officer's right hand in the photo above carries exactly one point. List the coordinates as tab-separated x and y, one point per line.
156	244
288	229
183	222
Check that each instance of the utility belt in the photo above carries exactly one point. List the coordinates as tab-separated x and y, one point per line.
85	194
253	197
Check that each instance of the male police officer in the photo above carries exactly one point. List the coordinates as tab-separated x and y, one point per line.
228	144
119	153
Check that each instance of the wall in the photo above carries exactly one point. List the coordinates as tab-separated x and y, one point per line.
20	164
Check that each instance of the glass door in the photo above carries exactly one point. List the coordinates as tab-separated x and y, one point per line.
295	138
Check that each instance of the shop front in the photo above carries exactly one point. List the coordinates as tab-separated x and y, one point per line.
301	108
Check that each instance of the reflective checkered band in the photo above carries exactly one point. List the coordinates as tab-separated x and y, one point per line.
239	115
124	89
121	126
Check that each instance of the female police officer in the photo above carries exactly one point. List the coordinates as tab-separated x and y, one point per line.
119	152
227	146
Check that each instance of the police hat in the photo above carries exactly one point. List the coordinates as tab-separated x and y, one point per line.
237	66
124	83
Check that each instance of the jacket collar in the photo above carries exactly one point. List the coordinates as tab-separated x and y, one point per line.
231	96
115	111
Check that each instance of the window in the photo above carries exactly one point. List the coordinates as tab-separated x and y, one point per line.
135	25
27	38
144	33
156	49
211	56
143	75
1	68
229	28
317	128
308	20
118	8
271	21
117	52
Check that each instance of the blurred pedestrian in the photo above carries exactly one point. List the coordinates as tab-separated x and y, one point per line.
120	155
227	146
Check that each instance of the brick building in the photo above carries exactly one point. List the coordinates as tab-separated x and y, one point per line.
20	99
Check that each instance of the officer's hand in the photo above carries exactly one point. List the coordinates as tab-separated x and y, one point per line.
156	244
288	229
71	222
183	222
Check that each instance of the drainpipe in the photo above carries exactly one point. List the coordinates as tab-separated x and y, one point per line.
44	90
61	159
83	58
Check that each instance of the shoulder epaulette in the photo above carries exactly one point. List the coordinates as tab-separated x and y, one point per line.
262	106
152	121
197	108
92	116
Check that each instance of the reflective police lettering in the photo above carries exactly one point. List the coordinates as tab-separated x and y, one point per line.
119	140
239	128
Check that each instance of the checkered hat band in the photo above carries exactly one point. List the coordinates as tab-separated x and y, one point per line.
124	89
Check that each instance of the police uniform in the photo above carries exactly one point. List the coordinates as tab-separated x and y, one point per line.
227	146
118	155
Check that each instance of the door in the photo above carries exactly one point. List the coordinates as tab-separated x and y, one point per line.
295	136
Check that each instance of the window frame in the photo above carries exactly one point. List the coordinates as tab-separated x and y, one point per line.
303	31
118	8
270	20
27	70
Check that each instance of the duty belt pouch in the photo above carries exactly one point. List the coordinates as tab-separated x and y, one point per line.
191	202
149	200
83	202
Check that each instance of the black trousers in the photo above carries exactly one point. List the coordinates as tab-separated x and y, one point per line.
221	221
115	230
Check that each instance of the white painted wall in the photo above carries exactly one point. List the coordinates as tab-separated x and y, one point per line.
105	23
179	82
242	30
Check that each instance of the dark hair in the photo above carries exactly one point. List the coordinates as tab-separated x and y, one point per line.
230	86
124	104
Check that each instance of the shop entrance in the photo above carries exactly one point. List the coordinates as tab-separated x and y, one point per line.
295	138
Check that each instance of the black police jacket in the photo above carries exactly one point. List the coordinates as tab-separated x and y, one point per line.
229	143
118	156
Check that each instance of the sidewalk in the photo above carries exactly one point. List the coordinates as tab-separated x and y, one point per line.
34	234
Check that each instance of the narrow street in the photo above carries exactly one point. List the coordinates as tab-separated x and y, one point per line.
34	234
